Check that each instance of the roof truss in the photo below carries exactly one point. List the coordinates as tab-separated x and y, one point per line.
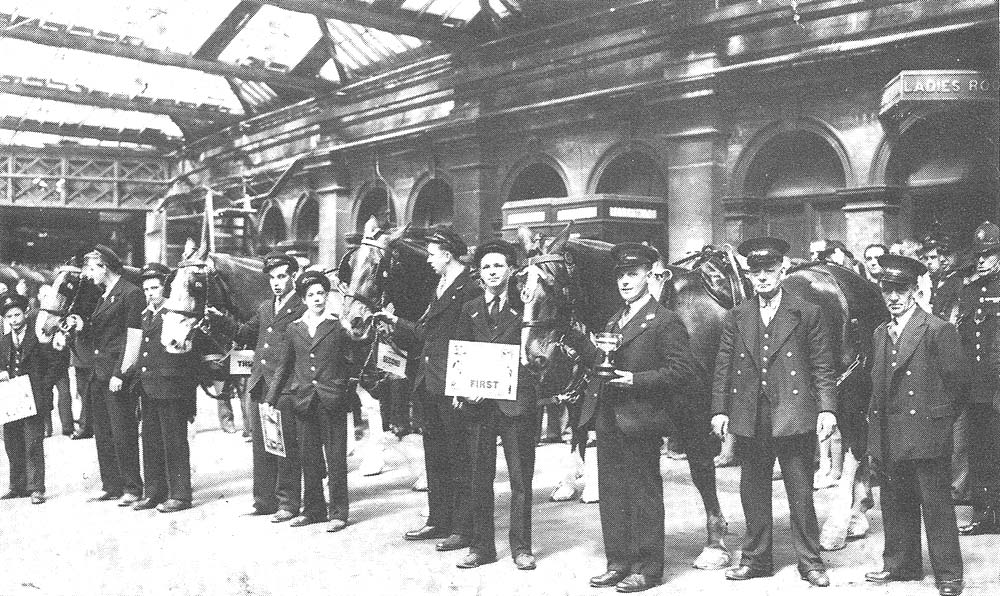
147	136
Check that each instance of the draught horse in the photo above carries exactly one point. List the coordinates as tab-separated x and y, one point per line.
72	294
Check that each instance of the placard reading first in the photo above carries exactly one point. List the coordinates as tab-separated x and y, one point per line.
482	369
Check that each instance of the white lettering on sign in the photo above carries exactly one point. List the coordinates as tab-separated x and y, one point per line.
514	219
576	213
633	212
481	369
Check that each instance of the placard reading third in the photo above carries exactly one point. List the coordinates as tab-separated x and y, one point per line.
481	369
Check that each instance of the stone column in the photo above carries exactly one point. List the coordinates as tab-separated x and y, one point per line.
872	215
334	209
741	219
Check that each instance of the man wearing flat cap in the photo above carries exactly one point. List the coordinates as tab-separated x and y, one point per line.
21	354
276	480
114	336
653	364
775	390
445	433
978	326
495	317
916	371
165	384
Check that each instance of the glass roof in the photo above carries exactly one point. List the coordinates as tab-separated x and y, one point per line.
278	38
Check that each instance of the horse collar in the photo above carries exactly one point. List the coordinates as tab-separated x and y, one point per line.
548	258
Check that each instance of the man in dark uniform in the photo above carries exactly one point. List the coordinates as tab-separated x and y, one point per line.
113	335
917	369
445	432
775	389
978	316
495	317
166	385
652	363
21	354
276	480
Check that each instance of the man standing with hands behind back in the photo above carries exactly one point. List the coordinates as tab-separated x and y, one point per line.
775	390
917	369
652	363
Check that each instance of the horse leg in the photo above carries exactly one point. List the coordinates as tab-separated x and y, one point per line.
831	464
727	455
715	555
863	501
590	493
372	449
834	534
566	490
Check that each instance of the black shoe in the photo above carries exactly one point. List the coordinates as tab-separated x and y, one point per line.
608	578
427	533
473	560
305	520
77	435
453	542
173	505
636	583
744	572
886	576
147	503
105	496
525	561
984	522
951	587
14	494
282	515
37	498
260	510
816	577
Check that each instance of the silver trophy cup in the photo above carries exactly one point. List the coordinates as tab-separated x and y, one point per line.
607	343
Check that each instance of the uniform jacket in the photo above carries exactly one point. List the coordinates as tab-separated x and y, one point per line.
435	328
914	388
978	321
474	325
105	334
313	368
268	329
794	366
33	360
164	375
655	349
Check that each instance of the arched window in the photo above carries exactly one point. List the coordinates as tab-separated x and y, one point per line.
435	204
307	226
375	202
539	180
272	230
633	173
947	162
795	175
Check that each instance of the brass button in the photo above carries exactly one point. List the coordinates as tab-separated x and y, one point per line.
267	345
312	355
913	412
766	348
312	368
734	389
894	351
763	371
792	373
270	329
894	364
97	352
742	355
144	369
911	392
789	354
766	336
145	354
795	391
739	372
315	382
908	373
262	361
763	382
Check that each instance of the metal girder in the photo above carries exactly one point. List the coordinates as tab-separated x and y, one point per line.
87	40
76	94
147	136
360	13
227	30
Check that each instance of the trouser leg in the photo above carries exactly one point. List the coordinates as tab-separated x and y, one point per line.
755	494
173	430
265	465
100	419
64	405
13	441
153	453
311	461
289	490
795	454
440	487
483	446
459	469
616	503
519	452
125	435
83	376
933	478
960	457
334	433
900	502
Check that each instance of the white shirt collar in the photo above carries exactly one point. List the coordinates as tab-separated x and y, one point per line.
111	286
772	303
279	303
634	307
488	297
904	318
447	279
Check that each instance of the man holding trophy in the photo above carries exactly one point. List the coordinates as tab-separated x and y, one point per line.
645	359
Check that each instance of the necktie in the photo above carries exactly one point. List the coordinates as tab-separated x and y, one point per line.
494	308
765	312
894	330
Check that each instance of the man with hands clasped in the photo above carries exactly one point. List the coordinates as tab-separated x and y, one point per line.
775	390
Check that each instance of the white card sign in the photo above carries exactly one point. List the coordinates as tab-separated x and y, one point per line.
391	360
240	362
482	369
270	424
16	400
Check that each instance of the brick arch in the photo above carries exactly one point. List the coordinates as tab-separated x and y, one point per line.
620	150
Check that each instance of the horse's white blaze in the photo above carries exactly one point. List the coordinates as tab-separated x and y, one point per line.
176	332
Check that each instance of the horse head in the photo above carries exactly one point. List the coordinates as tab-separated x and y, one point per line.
184	307
70	293
363	273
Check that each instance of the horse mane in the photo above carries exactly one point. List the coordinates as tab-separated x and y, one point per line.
594	289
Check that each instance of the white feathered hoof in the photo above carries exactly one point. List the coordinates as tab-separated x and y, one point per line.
590	494
421	484
564	492
712	557
834	535
372	465
858	526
